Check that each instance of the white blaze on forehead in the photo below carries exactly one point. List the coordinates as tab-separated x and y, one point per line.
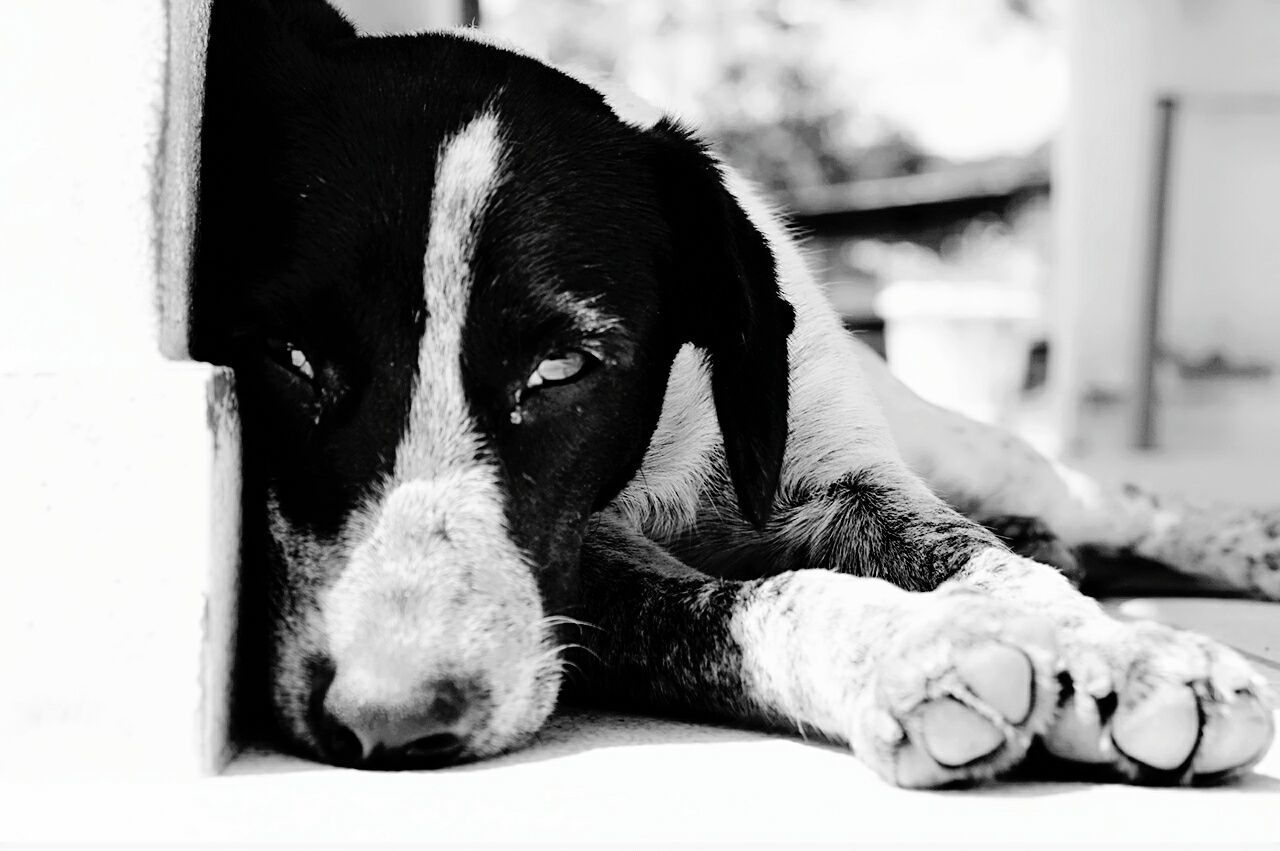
441	434
435	586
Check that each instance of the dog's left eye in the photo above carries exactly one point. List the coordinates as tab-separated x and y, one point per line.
292	358
562	368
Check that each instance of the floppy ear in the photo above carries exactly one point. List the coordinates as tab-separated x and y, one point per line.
315	21
725	299
267	34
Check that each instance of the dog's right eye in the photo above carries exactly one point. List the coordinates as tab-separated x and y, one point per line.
561	368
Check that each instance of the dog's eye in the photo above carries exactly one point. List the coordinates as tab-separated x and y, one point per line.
292	359
562	368
305	386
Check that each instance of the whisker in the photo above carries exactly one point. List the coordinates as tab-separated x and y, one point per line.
555	655
564	620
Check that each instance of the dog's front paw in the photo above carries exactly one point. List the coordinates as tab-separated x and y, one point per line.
959	692
1157	705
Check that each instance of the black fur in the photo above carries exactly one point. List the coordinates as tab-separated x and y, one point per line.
658	637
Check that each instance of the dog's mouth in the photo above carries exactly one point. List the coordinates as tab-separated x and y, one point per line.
377	718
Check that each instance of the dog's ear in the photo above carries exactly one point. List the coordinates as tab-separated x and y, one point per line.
724	298
315	21
270	38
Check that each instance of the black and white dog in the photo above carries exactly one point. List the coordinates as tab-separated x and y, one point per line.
529	377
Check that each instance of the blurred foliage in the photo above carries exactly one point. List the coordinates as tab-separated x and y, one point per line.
797	92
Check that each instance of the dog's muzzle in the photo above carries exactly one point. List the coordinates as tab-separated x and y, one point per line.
437	646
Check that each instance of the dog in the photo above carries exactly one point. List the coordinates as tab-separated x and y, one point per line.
540	401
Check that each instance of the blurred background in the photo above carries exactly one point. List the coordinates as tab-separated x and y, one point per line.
1052	214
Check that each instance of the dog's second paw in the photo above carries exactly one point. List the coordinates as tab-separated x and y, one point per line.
1157	705
958	694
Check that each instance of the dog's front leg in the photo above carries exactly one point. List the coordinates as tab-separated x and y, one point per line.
926	688
1149	703
1145	702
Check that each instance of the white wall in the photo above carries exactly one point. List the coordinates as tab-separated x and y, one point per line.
81	122
120	468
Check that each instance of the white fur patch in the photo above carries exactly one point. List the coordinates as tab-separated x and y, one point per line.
804	671
435	587
441	436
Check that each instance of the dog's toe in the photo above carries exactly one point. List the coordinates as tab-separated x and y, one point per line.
1000	676
1235	735
1176	708
1161	731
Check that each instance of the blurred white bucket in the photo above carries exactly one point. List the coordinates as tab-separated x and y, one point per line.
960	344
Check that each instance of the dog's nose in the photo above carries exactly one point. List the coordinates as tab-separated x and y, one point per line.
428	732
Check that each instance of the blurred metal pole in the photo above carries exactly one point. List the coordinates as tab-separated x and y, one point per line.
471	13
1145	425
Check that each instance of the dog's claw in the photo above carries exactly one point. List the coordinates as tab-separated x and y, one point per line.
1078	735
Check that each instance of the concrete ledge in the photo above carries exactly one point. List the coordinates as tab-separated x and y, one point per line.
120	498
597	779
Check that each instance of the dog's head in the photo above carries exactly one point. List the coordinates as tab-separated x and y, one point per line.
452	281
